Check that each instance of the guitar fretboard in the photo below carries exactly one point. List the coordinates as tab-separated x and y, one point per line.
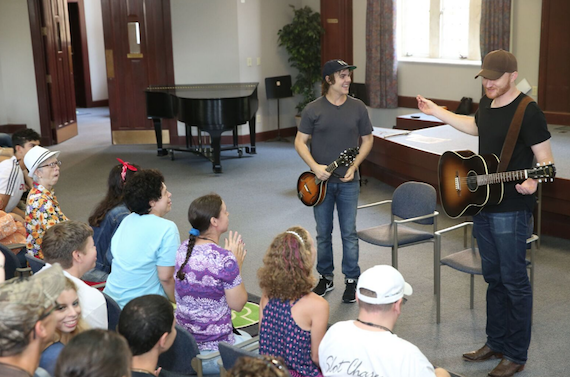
507	176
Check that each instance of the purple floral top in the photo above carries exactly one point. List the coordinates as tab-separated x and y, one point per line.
201	305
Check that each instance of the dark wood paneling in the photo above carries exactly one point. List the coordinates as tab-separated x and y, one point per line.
127	104
11	128
554	61
40	70
336	19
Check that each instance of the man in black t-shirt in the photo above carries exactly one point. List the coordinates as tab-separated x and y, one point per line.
502	229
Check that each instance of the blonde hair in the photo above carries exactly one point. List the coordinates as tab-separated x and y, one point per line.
287	271
82	326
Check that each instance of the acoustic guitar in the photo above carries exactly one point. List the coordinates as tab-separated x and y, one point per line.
311	190
467	181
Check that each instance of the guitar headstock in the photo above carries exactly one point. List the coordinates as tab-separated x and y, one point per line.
543	172
347	157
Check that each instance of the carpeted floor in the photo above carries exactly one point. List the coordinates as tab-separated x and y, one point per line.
259	191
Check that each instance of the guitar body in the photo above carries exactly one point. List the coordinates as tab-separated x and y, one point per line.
459	192
310	189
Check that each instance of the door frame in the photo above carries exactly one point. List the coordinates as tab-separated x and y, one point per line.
40	70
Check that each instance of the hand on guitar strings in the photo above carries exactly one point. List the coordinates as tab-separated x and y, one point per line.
321	172
528	187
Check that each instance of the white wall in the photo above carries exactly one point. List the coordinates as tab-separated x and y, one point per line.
96	48
19	100
212	41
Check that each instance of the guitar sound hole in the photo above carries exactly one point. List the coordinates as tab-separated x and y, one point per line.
472	181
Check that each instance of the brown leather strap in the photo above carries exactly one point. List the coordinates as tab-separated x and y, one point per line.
513	134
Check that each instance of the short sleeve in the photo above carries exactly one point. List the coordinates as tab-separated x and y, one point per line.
170	242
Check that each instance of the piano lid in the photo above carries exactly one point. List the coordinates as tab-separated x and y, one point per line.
207	91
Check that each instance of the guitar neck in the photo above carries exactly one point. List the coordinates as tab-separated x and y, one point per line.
507	176
332	167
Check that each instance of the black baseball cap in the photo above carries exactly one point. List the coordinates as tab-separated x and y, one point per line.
335	65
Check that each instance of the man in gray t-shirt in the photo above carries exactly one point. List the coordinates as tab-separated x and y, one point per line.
334	123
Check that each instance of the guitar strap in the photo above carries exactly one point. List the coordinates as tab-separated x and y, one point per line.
513	134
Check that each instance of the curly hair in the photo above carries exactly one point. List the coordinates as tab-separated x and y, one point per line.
261	366
287	271
114	197
141	189
200	213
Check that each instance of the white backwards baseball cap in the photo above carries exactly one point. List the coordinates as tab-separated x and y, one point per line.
386	282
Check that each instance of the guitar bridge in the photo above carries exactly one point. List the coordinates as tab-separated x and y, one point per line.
457	182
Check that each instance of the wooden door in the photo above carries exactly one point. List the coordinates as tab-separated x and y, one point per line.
138	50
59	69
336	19
554	69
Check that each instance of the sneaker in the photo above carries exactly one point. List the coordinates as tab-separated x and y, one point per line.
325	285
349	295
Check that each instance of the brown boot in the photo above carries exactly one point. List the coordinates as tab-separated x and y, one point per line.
506	368
482	354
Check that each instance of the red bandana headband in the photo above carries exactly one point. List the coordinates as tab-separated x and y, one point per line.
126	166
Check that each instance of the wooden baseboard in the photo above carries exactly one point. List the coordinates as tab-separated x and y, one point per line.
11	128
100	103
562	119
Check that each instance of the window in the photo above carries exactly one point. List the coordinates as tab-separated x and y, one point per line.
439	29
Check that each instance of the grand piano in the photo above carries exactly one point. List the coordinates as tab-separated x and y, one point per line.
213	108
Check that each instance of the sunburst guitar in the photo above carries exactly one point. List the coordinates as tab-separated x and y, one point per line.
468	181
311	190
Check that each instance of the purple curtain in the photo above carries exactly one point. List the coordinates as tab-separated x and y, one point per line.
381	59
495	25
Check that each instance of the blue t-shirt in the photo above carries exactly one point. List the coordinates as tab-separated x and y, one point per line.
140	244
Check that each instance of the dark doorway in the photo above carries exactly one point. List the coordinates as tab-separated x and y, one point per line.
80	55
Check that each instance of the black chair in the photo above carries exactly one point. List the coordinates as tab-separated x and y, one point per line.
184	349
36	264
12	266
230	353
113	312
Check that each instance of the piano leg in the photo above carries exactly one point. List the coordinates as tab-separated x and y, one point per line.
251	136
215	144
160	151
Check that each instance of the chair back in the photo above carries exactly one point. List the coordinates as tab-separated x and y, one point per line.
12	262
413	199
177	359
113	312
36	264
230	354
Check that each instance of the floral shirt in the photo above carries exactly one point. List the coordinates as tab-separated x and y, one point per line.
42	212
201	306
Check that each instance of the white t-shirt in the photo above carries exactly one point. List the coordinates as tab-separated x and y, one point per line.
347	350
12	182
91	300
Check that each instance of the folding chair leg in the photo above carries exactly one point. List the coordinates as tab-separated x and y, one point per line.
472	291
395	257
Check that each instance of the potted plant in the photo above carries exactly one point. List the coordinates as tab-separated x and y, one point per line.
302	40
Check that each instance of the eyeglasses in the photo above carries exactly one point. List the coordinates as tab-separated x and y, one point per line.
404	300
51	164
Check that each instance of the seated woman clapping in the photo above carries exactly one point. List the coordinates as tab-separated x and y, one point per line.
208	282
293	319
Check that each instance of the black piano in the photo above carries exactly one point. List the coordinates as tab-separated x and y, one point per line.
213	108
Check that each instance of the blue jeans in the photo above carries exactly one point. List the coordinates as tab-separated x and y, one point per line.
502	243
345	196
